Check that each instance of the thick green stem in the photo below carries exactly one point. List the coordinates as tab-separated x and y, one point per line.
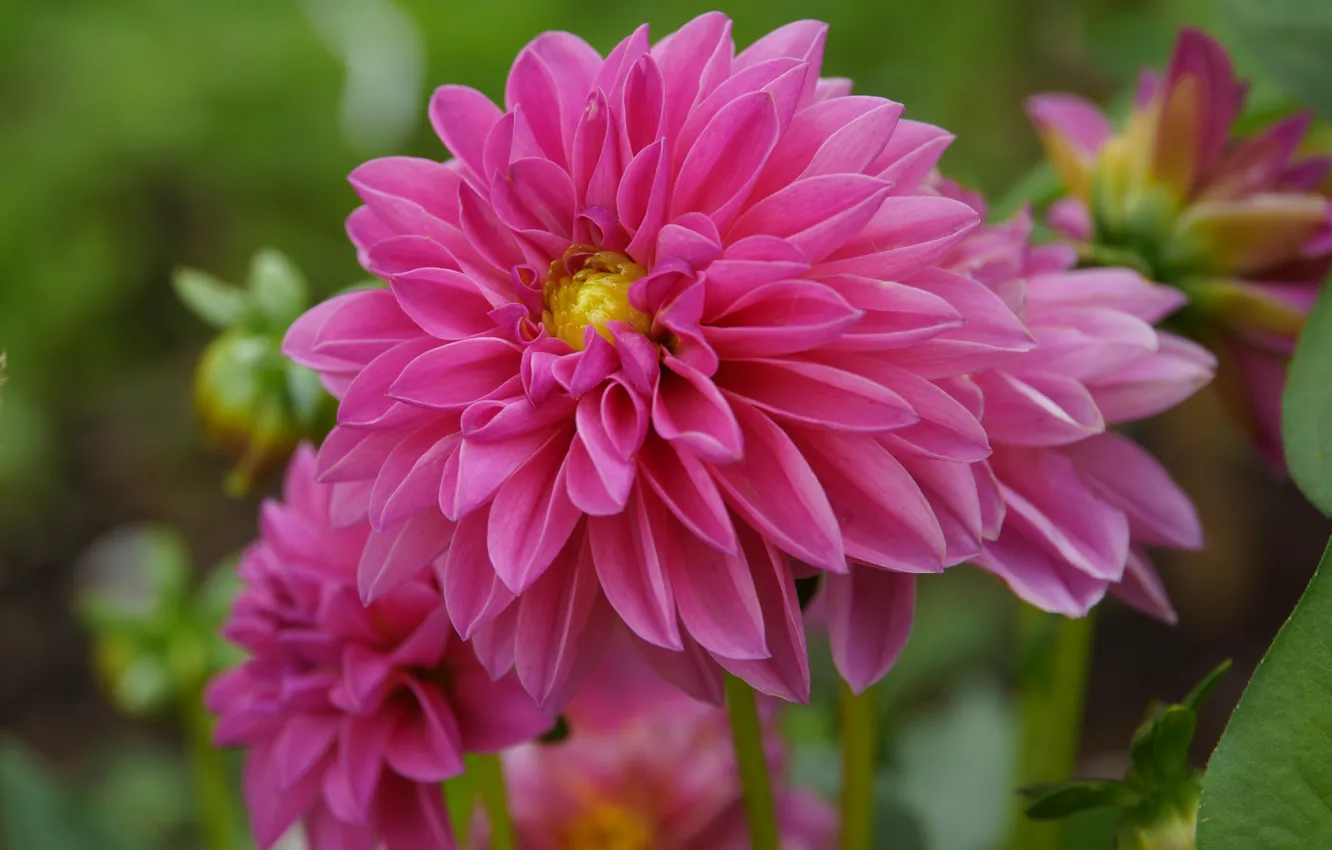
1053	689
219	819
753	760
859	748
487	779
460	800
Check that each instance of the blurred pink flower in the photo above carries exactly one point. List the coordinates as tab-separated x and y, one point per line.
663	335
1078	503
1241	226
647	767
352	715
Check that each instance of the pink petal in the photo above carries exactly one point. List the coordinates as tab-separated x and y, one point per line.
720	170
816	214
773	488
692	669
1042	409
630	553
471	589
1142	589
399	553
687	408
693	60
459	373
905	235
1073	118
551	617
869	619
425	745
532	517
462	118
815	395
716	597
682	482
781	318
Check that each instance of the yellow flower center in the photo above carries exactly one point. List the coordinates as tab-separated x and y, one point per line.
588	287
609	826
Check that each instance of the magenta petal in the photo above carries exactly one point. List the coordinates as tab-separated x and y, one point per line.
905	235
785	674
429	185
1127	476
954	495
885	519
397	554
462	118
682	481
471	589
459	373
817	214
412	816
721	168
641	199
425	745
531	87
473	475
361	747
409	478
536	197
773	488
629	552
532	516
1039	576
693	60
492	715
692	670
716	598
302	742
869	615
551	616
816	395
781	318
688	409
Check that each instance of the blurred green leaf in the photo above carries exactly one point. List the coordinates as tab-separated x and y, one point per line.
1306	407
1059	800
36	813
217	303
1269	783
1201	691
1293	40
277	287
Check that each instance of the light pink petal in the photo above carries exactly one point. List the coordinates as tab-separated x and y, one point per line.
1142	589
869	615
773	488
1075	119
1155	382
1118	289
1039	576
911	155
1127	476
1041	409
954	497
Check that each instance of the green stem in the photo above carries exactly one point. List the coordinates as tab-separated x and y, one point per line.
753	760
1053	689
487	778
460	800
859	748
219	818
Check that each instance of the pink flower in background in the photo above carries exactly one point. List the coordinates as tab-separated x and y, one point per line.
352	715
1079	502
647	767
663	335
1240	225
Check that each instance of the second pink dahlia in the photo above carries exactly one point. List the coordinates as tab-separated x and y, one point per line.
662	336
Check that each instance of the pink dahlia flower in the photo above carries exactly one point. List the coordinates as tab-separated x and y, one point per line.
645	766
1078	503
661	336
352	715
1240	225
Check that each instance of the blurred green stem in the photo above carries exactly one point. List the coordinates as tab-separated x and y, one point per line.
219	814
753	760
487	779
460	800
1053	684
859	748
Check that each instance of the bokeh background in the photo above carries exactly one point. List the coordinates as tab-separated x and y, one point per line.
140	135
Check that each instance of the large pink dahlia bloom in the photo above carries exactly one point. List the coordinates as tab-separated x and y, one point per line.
646	766
1242	225
352	714
1079	503
661	336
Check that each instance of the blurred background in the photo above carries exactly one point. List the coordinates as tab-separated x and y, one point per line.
140	135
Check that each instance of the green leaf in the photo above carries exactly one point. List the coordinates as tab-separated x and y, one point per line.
1306	407
1170	749
1269	783
1293	41
1203	689
35	812
1061	799
217	303
277	287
